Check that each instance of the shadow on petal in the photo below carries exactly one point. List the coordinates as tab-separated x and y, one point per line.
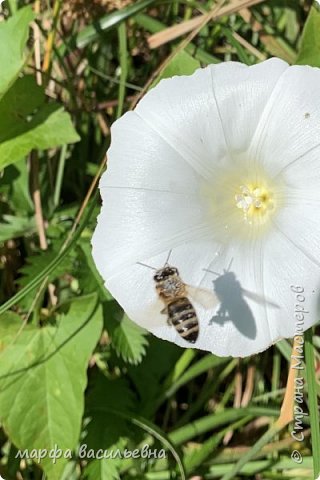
233	305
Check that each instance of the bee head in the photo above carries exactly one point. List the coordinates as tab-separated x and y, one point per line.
164	273
229	275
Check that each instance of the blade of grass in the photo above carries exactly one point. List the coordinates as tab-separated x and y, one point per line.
313	404
250	469
242	54
123	53
91	33
196	458
206	393
209	361
209	422
176	31
254	467
59	179
285	417
180	367
268	435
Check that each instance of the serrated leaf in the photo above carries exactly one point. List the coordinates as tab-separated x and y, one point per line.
309	52
43	378
127	338
27	122
35	264
14	226
13	38
87	273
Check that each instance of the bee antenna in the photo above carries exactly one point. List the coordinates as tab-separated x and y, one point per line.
144	265
169	255
211	271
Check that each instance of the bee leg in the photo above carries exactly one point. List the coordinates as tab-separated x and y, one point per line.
164	311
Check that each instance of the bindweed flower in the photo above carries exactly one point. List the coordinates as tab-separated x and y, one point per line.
221	169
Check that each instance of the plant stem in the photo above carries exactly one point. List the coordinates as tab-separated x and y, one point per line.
313	404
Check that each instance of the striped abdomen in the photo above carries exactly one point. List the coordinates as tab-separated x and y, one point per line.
183	317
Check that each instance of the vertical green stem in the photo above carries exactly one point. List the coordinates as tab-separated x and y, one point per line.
12	4
313	404
57	189
123	54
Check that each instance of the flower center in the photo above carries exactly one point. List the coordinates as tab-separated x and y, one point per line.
255	201
243	199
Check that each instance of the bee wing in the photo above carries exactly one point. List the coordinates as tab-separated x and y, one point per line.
259	298
207	298
152	313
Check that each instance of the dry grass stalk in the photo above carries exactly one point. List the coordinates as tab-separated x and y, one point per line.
176	31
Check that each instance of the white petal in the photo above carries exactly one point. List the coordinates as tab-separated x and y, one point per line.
182	110
287	266
242	94
139	158
134	225
151	199
212	113
299	220
289	127
303	174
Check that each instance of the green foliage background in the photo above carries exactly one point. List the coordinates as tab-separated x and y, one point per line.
74	369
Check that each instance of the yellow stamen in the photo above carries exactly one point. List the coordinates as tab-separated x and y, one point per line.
255	201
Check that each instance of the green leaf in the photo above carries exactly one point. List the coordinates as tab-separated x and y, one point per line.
30	123
128	339
13	38
105	430
15	188
35	264
109	404
181	64
309	53
104	469
149	376
14	227
88	276
43	378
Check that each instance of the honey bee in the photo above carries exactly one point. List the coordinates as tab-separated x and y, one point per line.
174	293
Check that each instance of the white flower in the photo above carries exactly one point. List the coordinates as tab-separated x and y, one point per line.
223	168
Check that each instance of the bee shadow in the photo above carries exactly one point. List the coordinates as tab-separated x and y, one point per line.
233	305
